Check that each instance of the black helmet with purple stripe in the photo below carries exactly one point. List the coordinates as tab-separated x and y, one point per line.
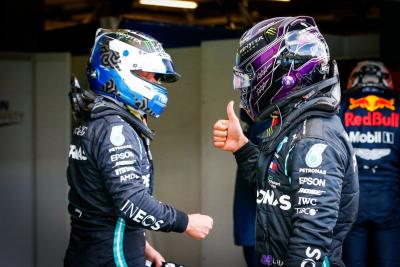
277	58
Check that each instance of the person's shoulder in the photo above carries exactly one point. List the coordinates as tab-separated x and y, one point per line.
108	121
100	128
325	130
322	127
329	129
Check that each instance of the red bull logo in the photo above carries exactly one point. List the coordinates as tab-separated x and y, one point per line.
372	103
372	119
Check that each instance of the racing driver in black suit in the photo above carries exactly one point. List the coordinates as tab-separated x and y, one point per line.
110	169
304	168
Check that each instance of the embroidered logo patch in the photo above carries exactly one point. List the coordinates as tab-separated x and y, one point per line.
116	137
314	155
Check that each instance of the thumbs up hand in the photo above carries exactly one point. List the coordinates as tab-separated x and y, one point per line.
228	134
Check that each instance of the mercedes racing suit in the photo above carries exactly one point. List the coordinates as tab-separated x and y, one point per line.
110	203
307	192
371	116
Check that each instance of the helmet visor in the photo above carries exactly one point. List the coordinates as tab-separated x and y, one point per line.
162	66
152	60
241	80
308	42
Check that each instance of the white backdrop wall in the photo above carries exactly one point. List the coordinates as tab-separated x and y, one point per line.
52	134
217	167
33	157
176	152
17	221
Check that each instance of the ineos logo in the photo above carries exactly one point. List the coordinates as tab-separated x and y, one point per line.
308	263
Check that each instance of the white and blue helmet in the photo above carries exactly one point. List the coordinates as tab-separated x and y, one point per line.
115	57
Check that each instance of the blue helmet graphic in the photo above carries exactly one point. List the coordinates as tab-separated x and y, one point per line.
114	60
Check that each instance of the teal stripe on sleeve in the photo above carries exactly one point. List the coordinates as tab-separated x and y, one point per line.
286	159
326	262
119	257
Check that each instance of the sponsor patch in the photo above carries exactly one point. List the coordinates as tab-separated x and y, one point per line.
122	156
128	177
140	216
375	118
372	154
314	155
268	197
312	255
116	136
307	201
273	183
311	191
76	153
124	162
306	211
371	103
376	137
80	131
146	180
124	170
308	170
269	261
113	149
273	166
312	181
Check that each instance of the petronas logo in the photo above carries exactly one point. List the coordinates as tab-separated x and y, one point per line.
109	58
271	31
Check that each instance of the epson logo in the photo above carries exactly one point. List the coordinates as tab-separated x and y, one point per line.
268	197
312	181
371	137
123	155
